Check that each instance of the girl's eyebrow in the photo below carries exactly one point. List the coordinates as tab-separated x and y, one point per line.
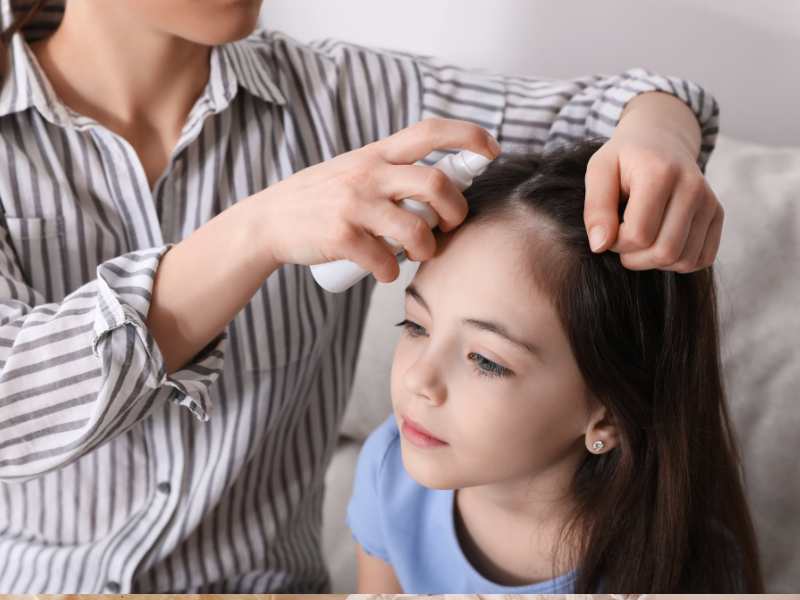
489	326
498	329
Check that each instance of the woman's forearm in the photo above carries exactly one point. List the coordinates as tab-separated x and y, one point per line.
661	111
205	280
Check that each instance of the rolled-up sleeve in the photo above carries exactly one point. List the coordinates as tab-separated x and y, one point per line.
76	373
381	91
596	109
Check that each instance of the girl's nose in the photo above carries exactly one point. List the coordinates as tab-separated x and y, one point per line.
423	379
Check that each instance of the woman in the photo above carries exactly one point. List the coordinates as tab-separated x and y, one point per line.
158	208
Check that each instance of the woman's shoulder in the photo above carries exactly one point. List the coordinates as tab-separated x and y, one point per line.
327	50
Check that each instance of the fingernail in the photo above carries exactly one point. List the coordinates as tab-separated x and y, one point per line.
597	236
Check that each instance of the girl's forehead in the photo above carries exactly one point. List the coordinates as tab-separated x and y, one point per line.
492	250
486	263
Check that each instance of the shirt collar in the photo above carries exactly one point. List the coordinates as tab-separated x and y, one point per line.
247	63
243	64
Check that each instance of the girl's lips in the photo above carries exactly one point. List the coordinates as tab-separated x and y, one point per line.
419	436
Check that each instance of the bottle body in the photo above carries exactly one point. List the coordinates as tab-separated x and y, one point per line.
461	168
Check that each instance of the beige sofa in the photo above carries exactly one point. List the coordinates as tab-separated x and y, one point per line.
759	280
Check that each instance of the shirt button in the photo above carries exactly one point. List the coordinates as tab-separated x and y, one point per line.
113	587
164	487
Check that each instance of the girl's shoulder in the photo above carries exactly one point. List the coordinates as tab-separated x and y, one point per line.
381	462
380	449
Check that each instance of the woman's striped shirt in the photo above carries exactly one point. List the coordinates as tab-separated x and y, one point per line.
117	477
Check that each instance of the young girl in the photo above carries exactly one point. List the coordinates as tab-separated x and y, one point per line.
559	421
171	377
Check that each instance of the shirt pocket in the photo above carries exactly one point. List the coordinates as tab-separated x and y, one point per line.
41	252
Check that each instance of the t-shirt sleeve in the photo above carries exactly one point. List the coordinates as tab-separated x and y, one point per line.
364	511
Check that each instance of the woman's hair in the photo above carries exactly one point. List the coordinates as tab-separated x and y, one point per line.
665	511
19	20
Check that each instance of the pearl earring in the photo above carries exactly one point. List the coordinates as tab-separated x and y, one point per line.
598	445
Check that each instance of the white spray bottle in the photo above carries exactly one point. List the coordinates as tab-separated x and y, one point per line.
461	169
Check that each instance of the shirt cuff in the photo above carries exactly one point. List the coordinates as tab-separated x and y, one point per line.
607	109
125	285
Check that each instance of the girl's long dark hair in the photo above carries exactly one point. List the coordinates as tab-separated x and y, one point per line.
665	511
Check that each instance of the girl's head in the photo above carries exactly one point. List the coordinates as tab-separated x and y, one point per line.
523	348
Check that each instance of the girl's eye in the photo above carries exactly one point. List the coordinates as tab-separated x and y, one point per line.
412	328
487	368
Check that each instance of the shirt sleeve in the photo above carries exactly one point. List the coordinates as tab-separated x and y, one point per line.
383	91
76	373
364	508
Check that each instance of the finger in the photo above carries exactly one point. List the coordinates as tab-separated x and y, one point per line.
671	239
416	142
647	202
409	230
429	185
713	237
689	259
601	207
373	255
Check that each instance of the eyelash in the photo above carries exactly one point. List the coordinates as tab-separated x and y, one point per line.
483	366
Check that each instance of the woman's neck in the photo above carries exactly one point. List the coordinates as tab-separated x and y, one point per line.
136	81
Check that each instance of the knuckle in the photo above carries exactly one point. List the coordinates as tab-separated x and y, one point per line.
640	237
357	179
661	169
628	262
420	240
388	267
418	231
463	211
477	135
683	266
343	235
665	254
437	181
696	188
372	149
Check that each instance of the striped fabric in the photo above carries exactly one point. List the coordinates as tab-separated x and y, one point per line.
116	477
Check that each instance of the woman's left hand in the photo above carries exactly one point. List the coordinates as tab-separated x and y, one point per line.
672	220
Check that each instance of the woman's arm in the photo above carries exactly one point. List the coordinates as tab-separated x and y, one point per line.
652	135
202	282
375	576
330	211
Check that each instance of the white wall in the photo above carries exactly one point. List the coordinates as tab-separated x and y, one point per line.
746	52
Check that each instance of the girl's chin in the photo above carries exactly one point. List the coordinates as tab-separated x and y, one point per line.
428	471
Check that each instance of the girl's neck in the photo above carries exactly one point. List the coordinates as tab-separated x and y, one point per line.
513	532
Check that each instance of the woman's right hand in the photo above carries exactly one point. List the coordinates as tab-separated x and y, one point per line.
338	209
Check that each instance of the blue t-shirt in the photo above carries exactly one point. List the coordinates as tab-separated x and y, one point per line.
412	527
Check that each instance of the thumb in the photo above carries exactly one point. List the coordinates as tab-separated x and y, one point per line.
601	206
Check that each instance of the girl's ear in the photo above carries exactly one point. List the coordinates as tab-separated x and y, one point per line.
601	432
